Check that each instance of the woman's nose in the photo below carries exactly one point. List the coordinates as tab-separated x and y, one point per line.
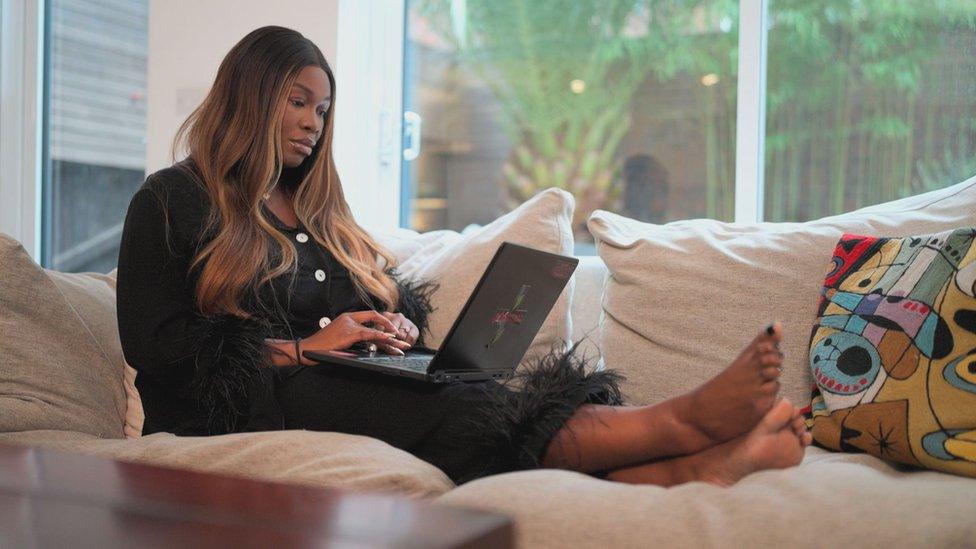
311	123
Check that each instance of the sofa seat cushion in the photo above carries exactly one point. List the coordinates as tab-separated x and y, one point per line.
296	457
683	299
830	500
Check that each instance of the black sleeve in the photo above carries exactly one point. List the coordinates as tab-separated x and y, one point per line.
197	374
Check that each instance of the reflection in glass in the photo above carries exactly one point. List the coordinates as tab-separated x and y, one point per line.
629	105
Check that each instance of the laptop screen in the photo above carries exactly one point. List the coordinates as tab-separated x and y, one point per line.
506	309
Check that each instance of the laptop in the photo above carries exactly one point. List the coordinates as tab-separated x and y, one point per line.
494	329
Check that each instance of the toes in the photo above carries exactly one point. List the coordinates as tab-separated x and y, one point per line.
771	359
773	332
799	426
806	439
770	374
779	416
769	388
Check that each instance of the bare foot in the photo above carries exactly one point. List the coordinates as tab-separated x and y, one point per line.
772	444
734	401
799	426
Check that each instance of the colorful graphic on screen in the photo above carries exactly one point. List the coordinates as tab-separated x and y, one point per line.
513	315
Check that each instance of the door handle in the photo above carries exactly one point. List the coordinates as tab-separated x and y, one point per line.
411	135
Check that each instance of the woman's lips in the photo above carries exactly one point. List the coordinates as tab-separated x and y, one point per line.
302	147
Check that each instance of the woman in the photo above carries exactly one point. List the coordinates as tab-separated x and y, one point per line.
245	254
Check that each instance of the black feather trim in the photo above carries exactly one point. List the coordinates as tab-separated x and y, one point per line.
415	302
517	424
232	382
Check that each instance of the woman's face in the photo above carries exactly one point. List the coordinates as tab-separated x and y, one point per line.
301	126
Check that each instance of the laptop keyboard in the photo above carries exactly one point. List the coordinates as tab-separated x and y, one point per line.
414	363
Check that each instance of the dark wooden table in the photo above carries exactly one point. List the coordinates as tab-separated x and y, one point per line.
54	499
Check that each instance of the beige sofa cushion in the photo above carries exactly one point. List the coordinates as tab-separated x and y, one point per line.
60	357
456	262
135	417
830	500
298	457
683	299
403	243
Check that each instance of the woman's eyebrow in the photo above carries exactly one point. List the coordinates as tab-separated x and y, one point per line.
310	93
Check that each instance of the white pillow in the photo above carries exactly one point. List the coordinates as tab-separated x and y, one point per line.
682	299
403	243
455	262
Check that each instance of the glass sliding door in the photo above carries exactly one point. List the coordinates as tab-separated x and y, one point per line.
629	105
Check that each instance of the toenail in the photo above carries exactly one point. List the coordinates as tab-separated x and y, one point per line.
770	330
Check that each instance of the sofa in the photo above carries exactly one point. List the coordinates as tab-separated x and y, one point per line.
668	305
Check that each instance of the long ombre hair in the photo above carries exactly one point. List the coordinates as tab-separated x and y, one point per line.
233	139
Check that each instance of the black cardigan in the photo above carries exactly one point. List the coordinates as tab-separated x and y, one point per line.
200	374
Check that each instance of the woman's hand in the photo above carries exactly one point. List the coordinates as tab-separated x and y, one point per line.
348	329
406	332
405	329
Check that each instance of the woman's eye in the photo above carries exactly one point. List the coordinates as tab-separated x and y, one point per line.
297	103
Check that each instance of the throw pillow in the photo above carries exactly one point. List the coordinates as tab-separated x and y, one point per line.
682	299
893	350
455	263
134	414
60	358
403	243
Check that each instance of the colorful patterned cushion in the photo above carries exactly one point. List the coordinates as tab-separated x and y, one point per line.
893	350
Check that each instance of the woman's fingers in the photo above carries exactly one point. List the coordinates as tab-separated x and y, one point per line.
389	349
409	332
406	329
377	319
381	337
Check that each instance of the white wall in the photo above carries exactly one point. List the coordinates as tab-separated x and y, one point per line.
189	38
361	39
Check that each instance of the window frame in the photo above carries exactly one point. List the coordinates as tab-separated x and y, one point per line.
21	120
369	95
750	118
